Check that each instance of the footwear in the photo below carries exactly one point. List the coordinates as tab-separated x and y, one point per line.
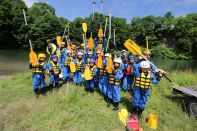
56	87
139	113
50	88
109	101
116	106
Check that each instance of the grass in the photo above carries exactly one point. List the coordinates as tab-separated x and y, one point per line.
72	109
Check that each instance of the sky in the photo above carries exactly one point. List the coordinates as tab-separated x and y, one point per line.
71	9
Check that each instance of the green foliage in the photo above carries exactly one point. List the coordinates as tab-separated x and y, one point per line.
178	34
164	52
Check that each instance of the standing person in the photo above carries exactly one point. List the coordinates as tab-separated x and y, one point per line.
66	67
103	76
90	84
38	75
128	73
114	83
80	65
88	56
54	71
62	54
144	78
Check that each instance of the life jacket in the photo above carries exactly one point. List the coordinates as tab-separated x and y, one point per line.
55	67
92	71
67	61
143	81
38	69
112	80
103	71
79	65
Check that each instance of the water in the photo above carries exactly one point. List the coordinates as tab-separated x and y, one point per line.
13	61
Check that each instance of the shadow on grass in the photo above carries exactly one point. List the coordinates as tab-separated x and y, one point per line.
180	100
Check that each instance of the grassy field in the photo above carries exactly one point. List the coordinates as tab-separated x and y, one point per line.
72	109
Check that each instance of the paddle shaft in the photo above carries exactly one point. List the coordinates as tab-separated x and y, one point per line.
25	18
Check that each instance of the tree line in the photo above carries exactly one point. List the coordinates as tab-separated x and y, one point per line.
169	36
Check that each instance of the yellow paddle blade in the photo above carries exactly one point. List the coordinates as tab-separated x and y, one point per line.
59	40
33	57
123	116
133	47
90	42
100	62
72	67
87	74
58	52
100	32
109	65
84	27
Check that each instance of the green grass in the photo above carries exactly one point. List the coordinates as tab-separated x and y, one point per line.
73	109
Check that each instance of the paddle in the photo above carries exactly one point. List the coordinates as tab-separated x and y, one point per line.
85	28
90	42
32	55
136	50
110	13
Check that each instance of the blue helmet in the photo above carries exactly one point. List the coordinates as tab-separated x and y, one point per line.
119	55
54	56
92	61
131	57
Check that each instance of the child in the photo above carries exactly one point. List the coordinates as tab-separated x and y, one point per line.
114	83
66	67
144	78
128	74
54	70
38	75
90	84
103	76
79	62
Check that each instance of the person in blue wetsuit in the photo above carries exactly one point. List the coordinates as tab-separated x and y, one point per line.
90	84
143	80
80	65
114	83
103	76
38	75
66	67
54	71
62	57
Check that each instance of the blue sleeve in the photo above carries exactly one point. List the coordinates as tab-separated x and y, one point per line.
153	69
124	66
95	71
118	75
47	66
83	63
153	79
104	62
136	69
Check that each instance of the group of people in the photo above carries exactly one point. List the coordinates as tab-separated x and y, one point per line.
128	72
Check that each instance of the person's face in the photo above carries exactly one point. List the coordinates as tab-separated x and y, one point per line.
91	64
116	65
147	56
145	69
80	56
62	45
42	59
131	60
54	59
124	53
90	55
68	54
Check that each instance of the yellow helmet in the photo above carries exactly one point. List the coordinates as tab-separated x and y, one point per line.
41	55
147	52
63	43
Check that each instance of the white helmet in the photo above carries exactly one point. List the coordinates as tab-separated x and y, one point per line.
79	53
123	51
107	55
145	64
90	52
68	51
117	60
